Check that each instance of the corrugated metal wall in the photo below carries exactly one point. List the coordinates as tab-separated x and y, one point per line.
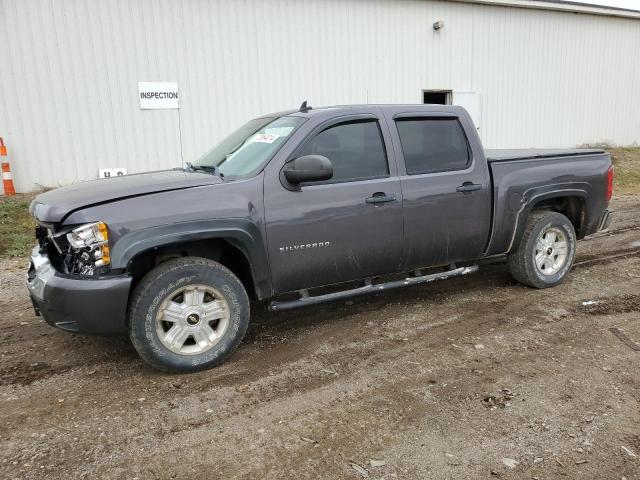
69	71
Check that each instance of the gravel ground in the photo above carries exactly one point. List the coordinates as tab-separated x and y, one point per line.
474	377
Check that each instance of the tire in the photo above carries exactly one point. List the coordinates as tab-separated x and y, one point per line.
174	324
524	261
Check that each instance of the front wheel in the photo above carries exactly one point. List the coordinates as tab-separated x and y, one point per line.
546	250
188	314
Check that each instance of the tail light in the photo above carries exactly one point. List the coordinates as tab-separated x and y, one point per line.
610	182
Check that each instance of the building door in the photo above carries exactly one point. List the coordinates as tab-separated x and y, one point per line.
437	97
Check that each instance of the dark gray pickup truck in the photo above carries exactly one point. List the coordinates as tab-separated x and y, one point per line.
301	207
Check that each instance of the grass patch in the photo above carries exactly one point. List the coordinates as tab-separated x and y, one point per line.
627	163
16	226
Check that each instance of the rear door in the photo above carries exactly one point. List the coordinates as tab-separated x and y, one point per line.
446	188
344	229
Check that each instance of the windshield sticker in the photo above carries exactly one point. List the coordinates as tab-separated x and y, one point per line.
266	138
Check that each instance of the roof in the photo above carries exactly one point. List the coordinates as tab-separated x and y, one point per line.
333	110
592	5
562	5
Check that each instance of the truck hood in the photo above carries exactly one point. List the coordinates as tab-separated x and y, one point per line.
55	205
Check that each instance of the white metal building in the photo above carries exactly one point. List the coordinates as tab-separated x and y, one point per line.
532	73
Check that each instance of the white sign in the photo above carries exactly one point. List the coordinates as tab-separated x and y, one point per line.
111	172
155	95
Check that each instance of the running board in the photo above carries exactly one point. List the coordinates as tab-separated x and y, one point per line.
306	299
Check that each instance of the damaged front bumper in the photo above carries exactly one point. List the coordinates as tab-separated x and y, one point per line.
92	305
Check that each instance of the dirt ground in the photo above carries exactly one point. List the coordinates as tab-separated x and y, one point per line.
474	377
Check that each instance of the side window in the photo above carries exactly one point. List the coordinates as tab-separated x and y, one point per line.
355	149
433	145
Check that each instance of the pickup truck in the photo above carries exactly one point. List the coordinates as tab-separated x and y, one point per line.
301	207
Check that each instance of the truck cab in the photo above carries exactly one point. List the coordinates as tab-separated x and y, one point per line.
409	189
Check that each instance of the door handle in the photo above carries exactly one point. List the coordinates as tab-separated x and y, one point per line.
468	187
380	197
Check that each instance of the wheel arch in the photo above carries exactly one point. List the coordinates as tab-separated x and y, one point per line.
571	202
236	245
571	206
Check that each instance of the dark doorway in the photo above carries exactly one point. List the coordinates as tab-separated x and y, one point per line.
439	97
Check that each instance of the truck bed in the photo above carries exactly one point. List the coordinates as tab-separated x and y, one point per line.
505	155
522	177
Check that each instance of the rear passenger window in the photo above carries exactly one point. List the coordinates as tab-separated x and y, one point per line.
355	149
433	145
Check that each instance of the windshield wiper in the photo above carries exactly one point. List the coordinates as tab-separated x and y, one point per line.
232	151
205	168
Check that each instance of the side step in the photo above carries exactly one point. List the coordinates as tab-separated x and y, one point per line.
369	287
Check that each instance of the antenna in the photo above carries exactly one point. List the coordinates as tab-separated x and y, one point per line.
304	108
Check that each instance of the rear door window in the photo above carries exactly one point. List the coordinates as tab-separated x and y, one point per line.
433	145
356	150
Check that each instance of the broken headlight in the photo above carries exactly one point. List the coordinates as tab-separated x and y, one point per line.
91	245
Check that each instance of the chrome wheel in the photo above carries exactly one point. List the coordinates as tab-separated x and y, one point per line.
551	251
192	319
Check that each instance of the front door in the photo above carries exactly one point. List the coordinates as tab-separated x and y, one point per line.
347	228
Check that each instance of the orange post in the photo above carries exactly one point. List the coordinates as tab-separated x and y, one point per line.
7	178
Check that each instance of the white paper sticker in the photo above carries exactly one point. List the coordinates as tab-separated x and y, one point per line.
158	95
266	138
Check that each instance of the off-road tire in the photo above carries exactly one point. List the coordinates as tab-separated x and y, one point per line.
521	261
158	284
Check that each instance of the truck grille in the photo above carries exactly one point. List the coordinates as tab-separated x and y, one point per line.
47	246
41	235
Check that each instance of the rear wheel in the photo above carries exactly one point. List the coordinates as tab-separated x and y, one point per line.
188	314
546	250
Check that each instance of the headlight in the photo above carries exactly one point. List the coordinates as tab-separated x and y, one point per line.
93	237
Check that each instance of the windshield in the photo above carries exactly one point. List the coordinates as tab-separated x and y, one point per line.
247	149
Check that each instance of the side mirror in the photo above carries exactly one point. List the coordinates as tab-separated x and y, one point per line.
310	168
